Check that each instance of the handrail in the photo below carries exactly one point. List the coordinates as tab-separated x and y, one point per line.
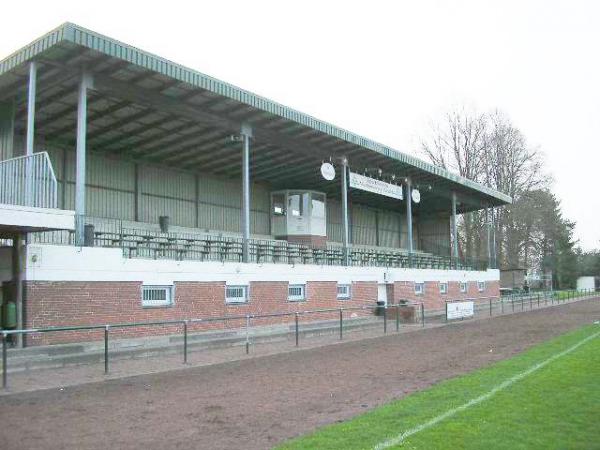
28	180
185	322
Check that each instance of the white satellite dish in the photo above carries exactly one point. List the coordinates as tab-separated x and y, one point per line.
416	195
328	171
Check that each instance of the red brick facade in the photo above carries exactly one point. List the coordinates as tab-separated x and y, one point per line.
90	303
433	299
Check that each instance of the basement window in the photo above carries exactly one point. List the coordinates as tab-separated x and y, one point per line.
296	293
419	288
443	288
463	287
236	294
481	286
344	291
157	296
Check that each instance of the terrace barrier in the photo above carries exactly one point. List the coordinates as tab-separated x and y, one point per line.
182	246
28	181
419	318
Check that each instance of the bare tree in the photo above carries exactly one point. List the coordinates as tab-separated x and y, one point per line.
489	149
459	143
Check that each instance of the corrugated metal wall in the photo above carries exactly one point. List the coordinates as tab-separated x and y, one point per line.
111	193
434	235
6	130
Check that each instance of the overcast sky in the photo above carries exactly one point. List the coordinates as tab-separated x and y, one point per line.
383	69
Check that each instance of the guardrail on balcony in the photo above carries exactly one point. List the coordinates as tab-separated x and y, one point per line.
28	181
138	242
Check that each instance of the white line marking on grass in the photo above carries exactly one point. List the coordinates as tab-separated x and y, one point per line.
402	436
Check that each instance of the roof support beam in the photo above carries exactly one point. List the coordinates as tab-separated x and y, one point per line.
31	108
84	85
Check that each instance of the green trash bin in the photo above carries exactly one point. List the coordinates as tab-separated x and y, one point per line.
9	315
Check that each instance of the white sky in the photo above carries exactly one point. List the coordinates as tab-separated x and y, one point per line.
383	69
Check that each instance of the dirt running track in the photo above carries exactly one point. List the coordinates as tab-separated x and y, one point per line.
256	403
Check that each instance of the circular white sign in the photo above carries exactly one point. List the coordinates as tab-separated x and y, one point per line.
328	171
416	195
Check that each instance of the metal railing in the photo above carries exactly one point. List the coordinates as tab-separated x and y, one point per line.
145	242
519	302
418	316
28	181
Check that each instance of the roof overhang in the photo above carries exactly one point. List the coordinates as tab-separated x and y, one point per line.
149	109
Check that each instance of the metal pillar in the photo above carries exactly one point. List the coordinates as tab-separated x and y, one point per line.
494	255
409	218
489	236
84	84
345	209
18	276
137	187
454	230
31	108
246	133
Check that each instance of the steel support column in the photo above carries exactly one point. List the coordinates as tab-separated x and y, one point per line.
409	217
31	108
454	229
84	84
489	236
345	237
18	277
494	255
246	133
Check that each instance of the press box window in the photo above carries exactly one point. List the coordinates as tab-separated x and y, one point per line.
481	286
236	294
463	287
296	293
344	291
154	296
419	288
443	288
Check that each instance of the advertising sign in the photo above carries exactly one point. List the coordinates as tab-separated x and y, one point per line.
459	310
375	186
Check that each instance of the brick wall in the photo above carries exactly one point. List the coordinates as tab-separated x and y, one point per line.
432	299
51	304
90	303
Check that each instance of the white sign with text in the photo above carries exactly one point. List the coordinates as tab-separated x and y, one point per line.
459	310
376	186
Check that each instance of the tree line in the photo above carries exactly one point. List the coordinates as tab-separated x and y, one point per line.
532	232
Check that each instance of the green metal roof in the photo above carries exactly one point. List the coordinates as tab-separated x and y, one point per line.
80	36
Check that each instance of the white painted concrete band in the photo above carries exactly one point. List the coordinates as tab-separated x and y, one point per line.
68	263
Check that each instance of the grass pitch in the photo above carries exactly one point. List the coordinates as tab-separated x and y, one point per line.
552	402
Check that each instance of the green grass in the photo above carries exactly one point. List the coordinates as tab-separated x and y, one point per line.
556	407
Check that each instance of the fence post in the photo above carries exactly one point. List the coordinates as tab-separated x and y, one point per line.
446	311
422	314
501	304
512	299
185	339
522	303
398	317
4	362
490	306
297	329
538	299
341	324
385	319
247	334
106	327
